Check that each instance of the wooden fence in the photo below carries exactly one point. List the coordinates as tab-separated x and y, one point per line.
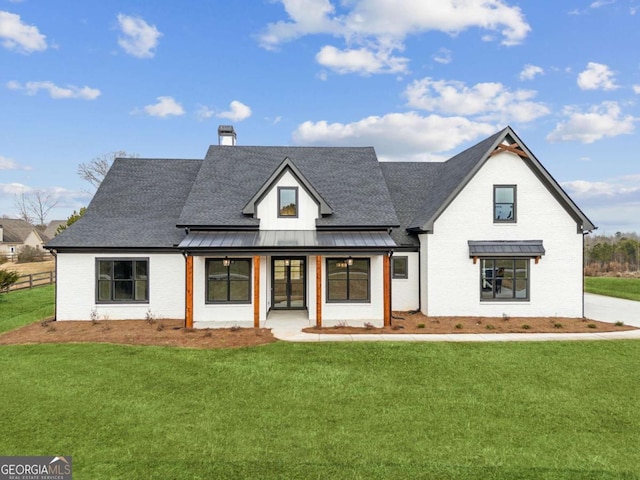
34	280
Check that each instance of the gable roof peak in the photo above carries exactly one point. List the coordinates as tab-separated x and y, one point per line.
287	165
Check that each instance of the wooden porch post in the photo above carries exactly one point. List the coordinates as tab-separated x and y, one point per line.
189	294
386	289
318	291
256	292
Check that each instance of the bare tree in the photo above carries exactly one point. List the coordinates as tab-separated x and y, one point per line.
95	170
34	207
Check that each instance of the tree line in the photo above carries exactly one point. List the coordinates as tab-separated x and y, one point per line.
612	254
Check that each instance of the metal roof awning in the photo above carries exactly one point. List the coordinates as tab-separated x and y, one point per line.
506	248
287	240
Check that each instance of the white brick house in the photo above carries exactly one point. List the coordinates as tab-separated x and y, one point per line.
329	231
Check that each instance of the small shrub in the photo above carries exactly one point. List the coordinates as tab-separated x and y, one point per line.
591	325
369	326
28	254
235	328
7	278
149	317
160	327
526	326
506	317
490	327
93	315
557	325
619	324
420	325
458	326
341	324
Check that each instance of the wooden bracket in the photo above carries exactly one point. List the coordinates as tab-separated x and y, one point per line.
515	148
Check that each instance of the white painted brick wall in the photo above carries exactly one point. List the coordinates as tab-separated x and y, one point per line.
267	209
453	279
76	288
404	291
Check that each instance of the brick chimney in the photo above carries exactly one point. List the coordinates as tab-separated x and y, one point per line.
226	135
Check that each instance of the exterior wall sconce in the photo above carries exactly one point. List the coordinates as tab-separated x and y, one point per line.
287	262
350	261
226	262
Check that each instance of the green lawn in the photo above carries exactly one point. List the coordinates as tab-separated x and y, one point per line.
556	410
628	288
21	307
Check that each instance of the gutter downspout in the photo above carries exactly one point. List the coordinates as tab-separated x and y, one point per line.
55	308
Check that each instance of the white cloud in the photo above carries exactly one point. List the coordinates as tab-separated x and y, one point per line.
139	38
443	56
529	72
8	164
19	36
396	136
612	204
373	29
604	120
361	60
237	112
204	112
601	3
490	101
636	89
597	76
56	92
166	106
13	188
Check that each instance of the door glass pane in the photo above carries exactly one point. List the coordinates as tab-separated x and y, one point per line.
279	284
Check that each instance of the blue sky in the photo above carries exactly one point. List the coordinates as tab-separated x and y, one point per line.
418	80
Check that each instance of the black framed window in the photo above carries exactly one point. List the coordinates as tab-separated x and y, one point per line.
399	267
504	279
348	280
504	203
228	280
122	280
287	201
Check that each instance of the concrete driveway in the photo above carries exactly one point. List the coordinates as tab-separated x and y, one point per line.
609	309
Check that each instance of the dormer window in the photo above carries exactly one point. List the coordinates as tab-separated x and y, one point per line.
288	202
504	203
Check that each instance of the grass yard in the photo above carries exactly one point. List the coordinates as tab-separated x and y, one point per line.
22	307
557	410
628	288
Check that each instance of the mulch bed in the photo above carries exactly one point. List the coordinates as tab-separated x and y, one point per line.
405	322
173	333
137	332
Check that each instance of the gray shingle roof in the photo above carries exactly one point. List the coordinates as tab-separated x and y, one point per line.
453	176
410	185
348	178
137	205
16	230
